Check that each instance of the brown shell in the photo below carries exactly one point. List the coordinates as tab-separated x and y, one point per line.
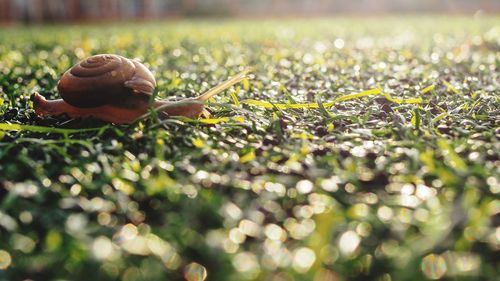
106	80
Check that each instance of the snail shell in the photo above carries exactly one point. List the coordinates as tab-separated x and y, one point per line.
106	80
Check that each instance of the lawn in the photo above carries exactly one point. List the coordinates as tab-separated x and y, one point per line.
360	148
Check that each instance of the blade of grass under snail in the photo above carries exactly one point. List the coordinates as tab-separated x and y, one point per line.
165	106
205	96
42	129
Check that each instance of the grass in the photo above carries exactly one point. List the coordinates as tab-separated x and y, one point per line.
359	149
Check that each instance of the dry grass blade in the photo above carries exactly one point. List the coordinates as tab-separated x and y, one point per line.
225	85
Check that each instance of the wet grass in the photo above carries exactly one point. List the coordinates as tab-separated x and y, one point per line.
359	149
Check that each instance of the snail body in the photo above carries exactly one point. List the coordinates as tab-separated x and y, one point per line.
118	90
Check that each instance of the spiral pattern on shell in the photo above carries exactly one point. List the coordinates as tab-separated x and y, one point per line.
106	79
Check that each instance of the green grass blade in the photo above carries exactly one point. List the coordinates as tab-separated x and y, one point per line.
41	129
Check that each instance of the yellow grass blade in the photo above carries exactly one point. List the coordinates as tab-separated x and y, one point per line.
371	92
403	101
451	88
235	99
428	89
239	119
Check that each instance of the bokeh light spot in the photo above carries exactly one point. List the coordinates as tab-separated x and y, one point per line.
339	43
304	186
5	259
195	272
303	259
102	247
246	262
349	242
434	266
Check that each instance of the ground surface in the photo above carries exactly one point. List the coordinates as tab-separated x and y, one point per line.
400	184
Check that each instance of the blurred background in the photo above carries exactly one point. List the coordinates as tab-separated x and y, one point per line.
36	11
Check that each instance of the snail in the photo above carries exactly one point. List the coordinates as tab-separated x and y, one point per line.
118	90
